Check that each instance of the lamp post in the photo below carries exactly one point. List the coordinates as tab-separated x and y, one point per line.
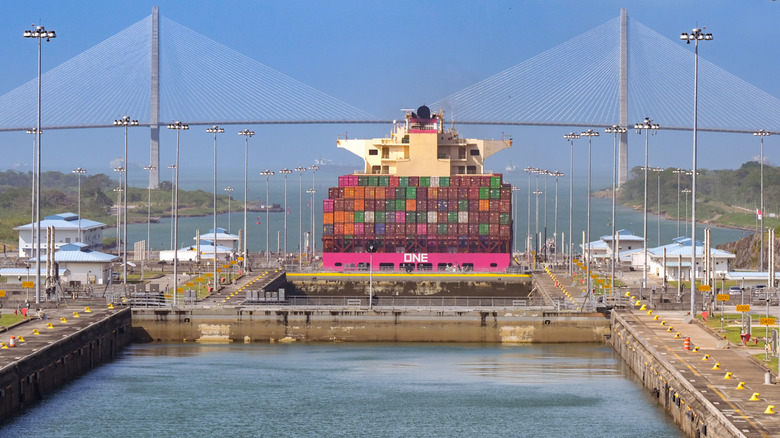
178	126
311	193
556	174
695	35
647	125
614	129
537	192
149	168
761	133
229	191
285	172
300	169
678	172
39	33
172	167
515	189
79	171
571	137
125	121
658	171
686	192
32	196
529	170
247	135
590	134
267	173
119	170
546	173
314	168
371	247
215	130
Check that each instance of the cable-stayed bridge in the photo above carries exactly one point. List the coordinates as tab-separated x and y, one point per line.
617	73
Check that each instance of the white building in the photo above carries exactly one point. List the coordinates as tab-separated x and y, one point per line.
224	239
190	253
66	230
602	248
84	265
678	257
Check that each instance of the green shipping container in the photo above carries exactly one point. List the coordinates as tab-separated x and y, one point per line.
400	205
442	229
373	181
495	182
484	193
504	219
463	205
452	217
400	193
403	181
389	204
411	217
362	180
495	193
422	217
379	217
444	181
425	181
411	193
484	229
384	181
360	217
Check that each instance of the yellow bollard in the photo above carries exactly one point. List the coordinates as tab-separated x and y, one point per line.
65	321
706	357
754	397
741	385
663	322
110	306
644	307
3	346
49	326
670	329
728	375
76	315
87	310
655	318
36	332
770	409
716	366
696	348
628	294
649	312
21	339
638	303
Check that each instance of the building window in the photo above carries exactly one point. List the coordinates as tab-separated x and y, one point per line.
471	170
474	152
375	169
462	153
385	153
373	152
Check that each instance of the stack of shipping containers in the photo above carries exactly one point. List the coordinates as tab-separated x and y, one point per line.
458	214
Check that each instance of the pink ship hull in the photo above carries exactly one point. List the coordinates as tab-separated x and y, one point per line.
497	262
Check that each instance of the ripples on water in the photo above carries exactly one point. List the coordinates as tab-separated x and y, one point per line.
358	390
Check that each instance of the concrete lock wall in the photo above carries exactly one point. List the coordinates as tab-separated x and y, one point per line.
362	325
30	378
687	407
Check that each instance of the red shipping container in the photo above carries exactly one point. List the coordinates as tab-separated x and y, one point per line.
473	193
463	193
442	217
389	192
452	229
349	205
422	205
455	181
393	181
414	181
505	206
484	217
339	204
353	180
327	205
411	230
370	205
504	230
359	229
453	195
494	217
422	193
506	194
452	205
494	229
494	205
368	230
338	229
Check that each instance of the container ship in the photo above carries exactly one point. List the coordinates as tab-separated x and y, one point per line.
422	203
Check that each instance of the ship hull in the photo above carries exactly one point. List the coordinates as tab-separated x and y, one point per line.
479	262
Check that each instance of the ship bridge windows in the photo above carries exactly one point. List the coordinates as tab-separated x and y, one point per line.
425	266
387	266
471	170
385	153
376	169
474	152
461	153
373	152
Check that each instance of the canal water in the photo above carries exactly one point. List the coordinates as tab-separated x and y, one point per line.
356	390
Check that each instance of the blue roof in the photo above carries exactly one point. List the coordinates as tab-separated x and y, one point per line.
63	221
9	272
623	235
81	257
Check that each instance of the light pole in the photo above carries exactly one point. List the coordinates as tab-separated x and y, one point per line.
149	168
546	173
126	122
267	173
529	170
247	134
371	247
229	191
695	35
311	193
314	168
556	174
119	170
678	172
571	137
761	133
537	192
39	33
300	169
686	192
173	183
79	171
647	125
178	126
590	134
515	189
614	129
285	172
658	171
32	196
215	130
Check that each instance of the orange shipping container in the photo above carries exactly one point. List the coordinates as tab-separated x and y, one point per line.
484	205
379	193
349	229
349	192
360	204
370	192
327	218
360	192
411	205
433	193
338	217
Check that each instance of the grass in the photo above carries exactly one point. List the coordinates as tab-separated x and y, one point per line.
8	319
732	325
771	363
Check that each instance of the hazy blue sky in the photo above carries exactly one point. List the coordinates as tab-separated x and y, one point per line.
380	57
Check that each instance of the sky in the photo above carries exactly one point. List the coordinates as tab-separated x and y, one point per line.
381	57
